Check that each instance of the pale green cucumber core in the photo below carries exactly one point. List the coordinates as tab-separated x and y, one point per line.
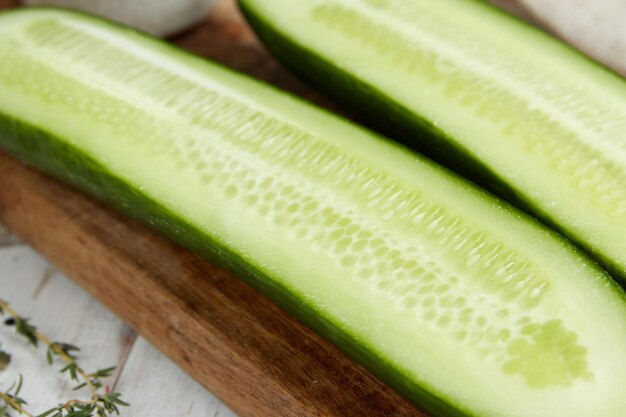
456	291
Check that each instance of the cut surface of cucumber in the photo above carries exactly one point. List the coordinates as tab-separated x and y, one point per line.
491	97
462	303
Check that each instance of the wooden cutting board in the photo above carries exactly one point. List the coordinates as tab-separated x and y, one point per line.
235	342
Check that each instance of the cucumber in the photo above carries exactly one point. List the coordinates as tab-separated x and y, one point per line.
440	289
489	96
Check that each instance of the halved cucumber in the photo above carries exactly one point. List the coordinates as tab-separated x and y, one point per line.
464	304
493	98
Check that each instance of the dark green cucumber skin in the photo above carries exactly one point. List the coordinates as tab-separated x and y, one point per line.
380	112
51	155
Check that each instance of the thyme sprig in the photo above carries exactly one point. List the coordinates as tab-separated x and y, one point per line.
101	404
5	360
11	399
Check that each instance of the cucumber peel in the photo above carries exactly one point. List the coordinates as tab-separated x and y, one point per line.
491	97
440	289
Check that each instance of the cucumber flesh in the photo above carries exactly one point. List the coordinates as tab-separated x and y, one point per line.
493	98
443	291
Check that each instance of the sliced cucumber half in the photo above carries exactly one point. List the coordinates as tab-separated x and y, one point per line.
490	96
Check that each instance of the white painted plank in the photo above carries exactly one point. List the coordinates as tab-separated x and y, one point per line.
596	27
162	389
62	311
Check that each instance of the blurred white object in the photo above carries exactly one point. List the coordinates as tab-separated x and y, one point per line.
159	18
594	26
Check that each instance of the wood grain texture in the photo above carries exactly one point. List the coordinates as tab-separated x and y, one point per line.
238	344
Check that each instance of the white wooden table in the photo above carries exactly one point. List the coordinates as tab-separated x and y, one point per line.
148	380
